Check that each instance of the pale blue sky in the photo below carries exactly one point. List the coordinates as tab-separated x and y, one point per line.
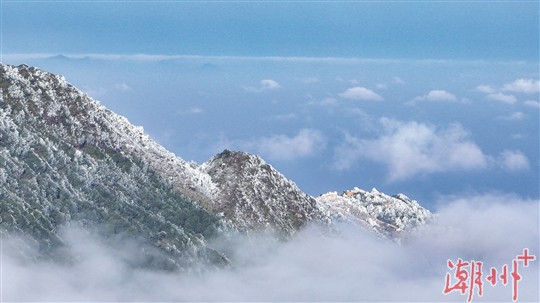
437	30
425	98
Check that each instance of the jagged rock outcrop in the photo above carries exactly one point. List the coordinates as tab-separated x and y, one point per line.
253	195
388	216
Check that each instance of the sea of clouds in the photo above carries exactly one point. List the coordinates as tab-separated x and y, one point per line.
349	264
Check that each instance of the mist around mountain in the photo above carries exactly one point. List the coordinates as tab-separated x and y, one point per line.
94	209
352	265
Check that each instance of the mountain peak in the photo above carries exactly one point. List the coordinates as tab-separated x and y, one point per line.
386	215
238	158
254	195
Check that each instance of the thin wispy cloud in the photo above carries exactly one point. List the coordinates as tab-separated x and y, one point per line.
437	95
504	98
285	117
504	93
532	103
141	57
282	147
527	86
310	80
398	80
146	57
485	89
513	160
328	101
122	87
191	111
264	85
514	116
360	93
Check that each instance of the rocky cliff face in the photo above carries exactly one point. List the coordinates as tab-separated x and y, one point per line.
388	216
65	158
253	195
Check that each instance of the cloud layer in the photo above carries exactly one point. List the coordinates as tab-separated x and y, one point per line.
513	160
527	86
437	95
360	93
408	149
282	147
412	148
506	93
264	85
350	265
504	98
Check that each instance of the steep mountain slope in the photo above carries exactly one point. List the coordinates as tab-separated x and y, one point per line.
388	216
65	158
253	195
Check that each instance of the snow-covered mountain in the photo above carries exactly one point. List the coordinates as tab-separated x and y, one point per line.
66	158
388	216
253	195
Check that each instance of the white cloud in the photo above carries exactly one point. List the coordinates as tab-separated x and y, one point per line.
269	84
285	117
515	116
509	99
360	93
264	85
485	89
313	265
528	86
310	80
328	101
122	87
412	148
191	111
437	95
398	80
513	160
282	147
532	103
386	85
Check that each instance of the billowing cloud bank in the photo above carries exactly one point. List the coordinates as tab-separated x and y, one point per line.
350	265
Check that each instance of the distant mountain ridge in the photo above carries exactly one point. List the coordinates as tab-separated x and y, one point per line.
64	157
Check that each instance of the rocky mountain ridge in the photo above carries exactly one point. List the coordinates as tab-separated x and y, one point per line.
253	195
64	157
388	216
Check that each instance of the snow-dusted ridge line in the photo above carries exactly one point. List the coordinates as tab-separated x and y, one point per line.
246	191
64	158
254	195
387	215
116	131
